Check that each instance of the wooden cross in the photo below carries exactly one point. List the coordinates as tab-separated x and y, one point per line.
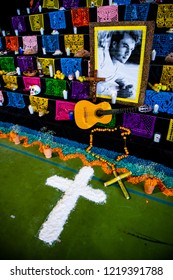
118	179
93	83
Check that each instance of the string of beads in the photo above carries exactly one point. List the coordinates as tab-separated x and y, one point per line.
124	132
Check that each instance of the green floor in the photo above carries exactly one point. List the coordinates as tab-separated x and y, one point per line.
139	228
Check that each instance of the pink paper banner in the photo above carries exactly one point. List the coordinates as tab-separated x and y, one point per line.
63	110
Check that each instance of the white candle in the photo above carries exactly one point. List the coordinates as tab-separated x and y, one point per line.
16	32
156	109
40	8
110	2
65	94
75	30
44	50
28	10
41	31
31	109
18	71
18	12
71	77
113	96
3	32
153	55
77	74
68	51
50	70
157	137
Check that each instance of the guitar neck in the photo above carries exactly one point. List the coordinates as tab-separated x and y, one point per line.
119	111
87	114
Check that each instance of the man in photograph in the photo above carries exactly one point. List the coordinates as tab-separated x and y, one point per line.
114	52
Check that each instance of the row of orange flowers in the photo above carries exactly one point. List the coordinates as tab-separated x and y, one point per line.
148	179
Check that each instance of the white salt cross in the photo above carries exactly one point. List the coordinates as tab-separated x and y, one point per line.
53	226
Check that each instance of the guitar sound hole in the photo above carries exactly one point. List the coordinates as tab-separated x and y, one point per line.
99	113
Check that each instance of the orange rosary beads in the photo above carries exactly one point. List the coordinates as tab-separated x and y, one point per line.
124	133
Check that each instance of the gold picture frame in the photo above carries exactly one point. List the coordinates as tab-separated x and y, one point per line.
127	80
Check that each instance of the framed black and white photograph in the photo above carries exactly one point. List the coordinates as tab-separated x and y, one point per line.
120	53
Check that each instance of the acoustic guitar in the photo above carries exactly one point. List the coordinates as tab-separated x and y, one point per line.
87	114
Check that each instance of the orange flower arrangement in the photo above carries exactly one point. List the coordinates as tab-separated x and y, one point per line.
104	164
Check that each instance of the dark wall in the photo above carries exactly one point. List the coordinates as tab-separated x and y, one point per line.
8	9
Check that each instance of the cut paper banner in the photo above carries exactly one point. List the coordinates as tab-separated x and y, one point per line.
30	81
36	22
63	110
57	20
51	4
15	100
107	14
30	45
80	17
18	22
55	87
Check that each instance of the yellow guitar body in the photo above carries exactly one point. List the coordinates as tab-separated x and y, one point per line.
85	113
